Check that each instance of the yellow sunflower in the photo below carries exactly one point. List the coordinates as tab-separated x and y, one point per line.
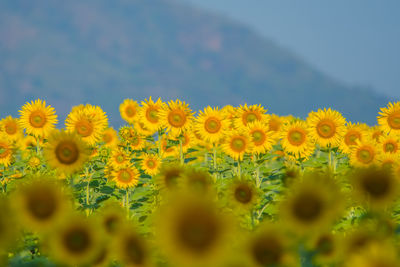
375	254
275	123
167	149
119	157
112	217
28	142
41	203
149	114
390	143
88	122
177	117
375	187
312	204
169	176
389	118
66	152
197	181
242	195
364	154
260	136
188	141
192	231
237	144
211	124
6	151
246	114
375	132
353	133
388	160
37	119
326	127
141	128
150	164
110	138
10	127
129	110
126	176
296	139
76	241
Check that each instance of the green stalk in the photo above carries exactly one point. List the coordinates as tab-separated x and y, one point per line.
127	202
88	195
215	162
238	169
182	161
159	143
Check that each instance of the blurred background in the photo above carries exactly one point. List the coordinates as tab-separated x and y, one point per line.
290	56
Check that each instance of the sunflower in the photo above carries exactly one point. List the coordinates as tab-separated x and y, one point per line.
353	133
150	164
76	241
167	149
390	143
375	187
129	110
66	152
192	231
188	141
211	124
296	139
37	118
110	138
6	152
326	245
242	195
119	157
388	160
326	127
10	127
131	248
364	154
41	204
196	181
236	144
269	246
375	254
247	114
149	114
275	123
141	128
89	122
169	176
312	203
27	143
176	117
375	133
34	162
125	176
389	118
260	136
112	217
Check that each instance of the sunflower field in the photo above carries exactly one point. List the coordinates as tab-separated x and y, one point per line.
226	187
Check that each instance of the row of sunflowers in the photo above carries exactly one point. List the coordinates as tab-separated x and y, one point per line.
231	186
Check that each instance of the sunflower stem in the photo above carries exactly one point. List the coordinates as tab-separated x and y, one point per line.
238	169
215	162
88	210
206	158
159	143
258	180
127	202
37	145
182	161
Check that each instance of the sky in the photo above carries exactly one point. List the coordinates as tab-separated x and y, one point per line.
354	41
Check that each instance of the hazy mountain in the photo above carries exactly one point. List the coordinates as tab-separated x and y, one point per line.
98	51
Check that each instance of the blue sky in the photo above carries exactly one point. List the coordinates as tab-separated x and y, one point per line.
354	41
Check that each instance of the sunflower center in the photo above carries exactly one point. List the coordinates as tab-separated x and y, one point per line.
42	205
171	178
212	125
307	207
243	194
10	128
238	144
390	147
197	230
135	141
134	251
84	128
151	164
249	117
111	223
351	138
107	138
377	185
120	158
67	152
130	111
258	137
177	118
37	119
394	120
325	245
77	240
296	137
125	176
267	251
152	115
4	151
274	125
365	155
326	128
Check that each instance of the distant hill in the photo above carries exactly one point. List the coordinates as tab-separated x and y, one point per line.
98	51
